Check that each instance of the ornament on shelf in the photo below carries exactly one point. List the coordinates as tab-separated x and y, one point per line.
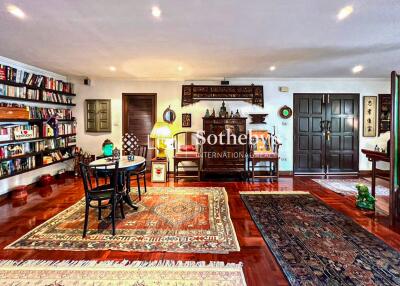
237	114
213	113
222	110
116	154
207	113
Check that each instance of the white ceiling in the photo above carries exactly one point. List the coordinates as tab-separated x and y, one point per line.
208	38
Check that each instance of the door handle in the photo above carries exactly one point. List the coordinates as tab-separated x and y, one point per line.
323	99
322	126
328	130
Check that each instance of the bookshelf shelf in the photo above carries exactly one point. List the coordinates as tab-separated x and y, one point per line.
19	84
36	168
11	98
38	90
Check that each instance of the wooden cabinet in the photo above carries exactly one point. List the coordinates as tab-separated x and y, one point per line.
384	109
224	156
98	115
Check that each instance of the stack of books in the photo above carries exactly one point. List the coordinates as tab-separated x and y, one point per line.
18	132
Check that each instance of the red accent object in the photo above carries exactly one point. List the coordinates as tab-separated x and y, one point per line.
46	180
186	148
20	193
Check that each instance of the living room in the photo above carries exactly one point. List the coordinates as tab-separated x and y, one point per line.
114	121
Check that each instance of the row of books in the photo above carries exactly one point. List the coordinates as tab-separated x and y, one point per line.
12	74
46	113
20	149
18	132
17	165
55	97
20	92
51	144
61	129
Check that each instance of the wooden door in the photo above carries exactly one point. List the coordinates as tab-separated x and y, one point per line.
326	132
139	116
309	141
343	134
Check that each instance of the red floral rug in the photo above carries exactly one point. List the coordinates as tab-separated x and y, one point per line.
194	220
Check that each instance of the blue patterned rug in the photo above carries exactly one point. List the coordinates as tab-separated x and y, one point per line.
316	245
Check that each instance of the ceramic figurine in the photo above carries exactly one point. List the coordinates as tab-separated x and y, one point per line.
222	111
237	114
207	113
364	199
231	116
213	113
116	154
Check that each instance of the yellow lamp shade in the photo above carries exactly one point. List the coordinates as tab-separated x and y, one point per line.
161	130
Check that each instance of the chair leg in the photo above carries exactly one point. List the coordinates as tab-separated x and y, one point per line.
99	214
252	171
138	186
144	181
121	206
113	205
198	172
85	225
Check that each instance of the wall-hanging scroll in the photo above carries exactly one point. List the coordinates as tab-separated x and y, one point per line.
253	94
369	129
186	120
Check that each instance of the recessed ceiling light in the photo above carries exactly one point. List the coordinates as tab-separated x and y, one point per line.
180	68
357	69
345	12
17	12
272	68
112	68
156	11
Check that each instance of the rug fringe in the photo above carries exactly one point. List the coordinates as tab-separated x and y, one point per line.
116	264
274	193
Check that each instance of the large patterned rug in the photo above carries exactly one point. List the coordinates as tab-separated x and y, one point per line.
316	245
109	273
194	220
348	186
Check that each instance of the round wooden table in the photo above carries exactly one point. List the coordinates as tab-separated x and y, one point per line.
125	166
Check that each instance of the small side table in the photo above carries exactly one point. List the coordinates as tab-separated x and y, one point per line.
159	170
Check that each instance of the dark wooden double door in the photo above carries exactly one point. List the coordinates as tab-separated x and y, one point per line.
326	133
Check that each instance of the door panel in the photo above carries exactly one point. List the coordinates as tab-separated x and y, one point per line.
317	151
342	144
309	148
139	115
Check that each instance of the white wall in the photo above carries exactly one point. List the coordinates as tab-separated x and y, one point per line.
169	93
30	177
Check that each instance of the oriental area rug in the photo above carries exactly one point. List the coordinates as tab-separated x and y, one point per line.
348	186
109	273
316	245
191	220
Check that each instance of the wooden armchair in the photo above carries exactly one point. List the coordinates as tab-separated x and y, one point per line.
185	150
263	148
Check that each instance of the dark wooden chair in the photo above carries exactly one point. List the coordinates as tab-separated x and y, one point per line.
269	155
186	151
101	186
130	145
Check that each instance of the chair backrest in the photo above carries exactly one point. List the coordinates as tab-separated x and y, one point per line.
185	138
262	141
100	175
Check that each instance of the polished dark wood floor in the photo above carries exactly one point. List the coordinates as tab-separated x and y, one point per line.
260	266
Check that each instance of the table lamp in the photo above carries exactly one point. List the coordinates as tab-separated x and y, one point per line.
161	131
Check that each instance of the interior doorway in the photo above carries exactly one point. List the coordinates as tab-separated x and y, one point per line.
326	133
139	116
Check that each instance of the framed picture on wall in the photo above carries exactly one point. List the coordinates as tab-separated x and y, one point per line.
186	120
369	122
